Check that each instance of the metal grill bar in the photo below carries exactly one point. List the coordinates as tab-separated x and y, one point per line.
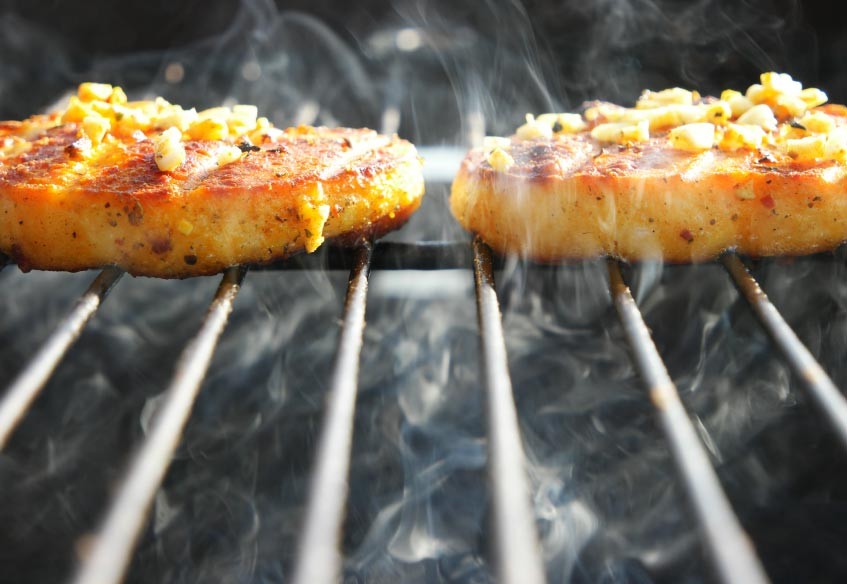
517	549
26	386
825	394
318	559
729	545
112	550
387	255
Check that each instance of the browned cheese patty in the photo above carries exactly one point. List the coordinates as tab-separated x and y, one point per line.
573	196
65	206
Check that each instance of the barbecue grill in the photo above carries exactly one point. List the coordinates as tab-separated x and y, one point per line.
515	552
586	422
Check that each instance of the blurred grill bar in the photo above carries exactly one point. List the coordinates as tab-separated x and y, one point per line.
319	559
826	396
24	389
517	549
387	255
729	545
112	550
517	552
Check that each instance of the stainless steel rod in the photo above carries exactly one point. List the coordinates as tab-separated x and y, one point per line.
27	385
112	549
318	559
517	550
825	394
730	547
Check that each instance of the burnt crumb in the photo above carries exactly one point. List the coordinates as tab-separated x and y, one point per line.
78	148
113	223
712	222
246	146
190	259
557	127
769	181
816	198
810	205
651	220
686	235
798	125
279	174
21	222
766	158
734	217
278	149
307	232
136	216
345	141
161	246
108	205
73	234
280	219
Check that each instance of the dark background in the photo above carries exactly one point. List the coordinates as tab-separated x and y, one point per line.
499	58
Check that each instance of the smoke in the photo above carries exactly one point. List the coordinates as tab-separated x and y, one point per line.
608	505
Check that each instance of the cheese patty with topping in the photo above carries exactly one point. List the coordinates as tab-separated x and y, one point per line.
162	191
678	177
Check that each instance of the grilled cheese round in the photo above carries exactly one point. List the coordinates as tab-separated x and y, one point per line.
162	191
678	178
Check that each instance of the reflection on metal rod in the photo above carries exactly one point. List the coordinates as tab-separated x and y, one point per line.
734	557
517	549
26	386
112	550
318	559
827	397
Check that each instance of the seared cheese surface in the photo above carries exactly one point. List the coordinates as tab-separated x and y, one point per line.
68	202
771	183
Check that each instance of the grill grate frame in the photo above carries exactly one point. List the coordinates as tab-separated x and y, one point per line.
732	555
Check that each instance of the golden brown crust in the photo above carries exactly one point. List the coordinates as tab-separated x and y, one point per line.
570	198
63	211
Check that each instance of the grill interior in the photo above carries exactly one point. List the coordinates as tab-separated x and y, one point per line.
521	433
237	473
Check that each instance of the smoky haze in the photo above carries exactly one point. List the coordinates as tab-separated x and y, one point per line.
608	506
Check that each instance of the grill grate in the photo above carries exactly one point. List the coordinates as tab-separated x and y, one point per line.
516	543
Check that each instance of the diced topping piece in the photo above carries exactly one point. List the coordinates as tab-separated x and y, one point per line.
96	127
759	115
738	136
813	97
622	132
809	148
500	160
563	123
208	129
229	154
169	150
94	91
675	95
693	137
817	122
534	128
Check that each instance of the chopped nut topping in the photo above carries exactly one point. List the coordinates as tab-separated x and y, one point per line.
103	109
500	160
778	111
